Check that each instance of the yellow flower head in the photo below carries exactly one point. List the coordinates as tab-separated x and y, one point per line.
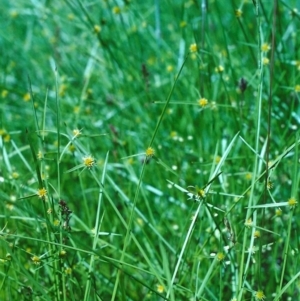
297	88
9	206
6	138
220	256
70	17
257	234
76	109
140	222
182	24
265	47
89	161
193	47
201	193
238	13
14	13
202	102
40	155
130	161
36	260
4	93
219	69
259	295
160	288
248	223
218	159
15	175
170	68
5	135
248	176
56	222
150	152
72	148
26	97
269	184
62	253
173	134
265	61
292	202
41	193
116	10
62	89
97	28
76	132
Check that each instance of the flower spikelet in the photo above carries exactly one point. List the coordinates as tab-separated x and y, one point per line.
150	152
257	234
116	10
297	88
201	193
182	24
26	97
76	132
292	202
220	256
259	295
89	161
160	288
219	69
238	13
265	61
193	47
265	47
248	176
269	185
36	260
202	102
41	193
97	28
249	223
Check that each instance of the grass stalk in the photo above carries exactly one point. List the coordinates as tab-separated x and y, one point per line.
244	268
128	230
96	229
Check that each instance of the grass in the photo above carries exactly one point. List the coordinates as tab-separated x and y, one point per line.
149	150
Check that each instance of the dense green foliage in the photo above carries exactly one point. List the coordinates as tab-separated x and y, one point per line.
89	90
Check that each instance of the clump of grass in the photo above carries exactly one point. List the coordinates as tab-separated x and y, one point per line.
147	152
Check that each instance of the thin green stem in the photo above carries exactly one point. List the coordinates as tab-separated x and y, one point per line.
96	231
244	267
127	236
167	103
128	231
61	281
286	250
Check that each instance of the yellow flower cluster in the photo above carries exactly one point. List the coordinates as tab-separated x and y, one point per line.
89	161
193	47
41	193
150	152
203	102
